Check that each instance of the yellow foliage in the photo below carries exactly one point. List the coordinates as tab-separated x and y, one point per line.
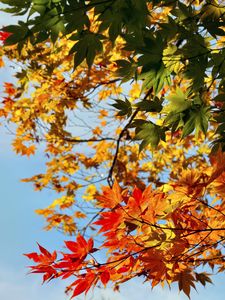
90	192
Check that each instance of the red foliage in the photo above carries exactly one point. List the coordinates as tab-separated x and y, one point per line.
4	35
68	265
44	262
140	243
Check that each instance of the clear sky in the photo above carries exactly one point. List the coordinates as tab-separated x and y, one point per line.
21	228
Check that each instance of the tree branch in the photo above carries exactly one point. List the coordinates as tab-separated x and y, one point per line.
73	140
109	178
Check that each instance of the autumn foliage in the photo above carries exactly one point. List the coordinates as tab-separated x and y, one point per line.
128	112
4	35
160	236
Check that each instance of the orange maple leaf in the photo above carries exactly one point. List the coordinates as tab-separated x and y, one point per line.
111	196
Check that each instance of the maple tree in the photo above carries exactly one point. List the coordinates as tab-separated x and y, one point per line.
128	94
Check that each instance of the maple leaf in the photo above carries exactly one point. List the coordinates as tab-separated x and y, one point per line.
111	197
22	149
81	286
109	220
203	278
9	88
105	277
84	284
80	215
79	249
185	282
45	261
154	262
44	256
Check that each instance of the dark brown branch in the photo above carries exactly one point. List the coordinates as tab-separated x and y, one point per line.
204	248
91	221
178	257
189	230
110	179
71	140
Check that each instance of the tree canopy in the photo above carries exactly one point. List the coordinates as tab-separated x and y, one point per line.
126	101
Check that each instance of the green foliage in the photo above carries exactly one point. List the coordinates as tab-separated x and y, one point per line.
148	132
126	70
187	112
154	76
124	107
150	106
87	46
197	120
17	7
181	45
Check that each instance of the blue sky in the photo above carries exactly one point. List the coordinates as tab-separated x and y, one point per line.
21	228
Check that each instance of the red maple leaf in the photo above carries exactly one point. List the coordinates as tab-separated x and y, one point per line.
79	249
44	261
84	284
